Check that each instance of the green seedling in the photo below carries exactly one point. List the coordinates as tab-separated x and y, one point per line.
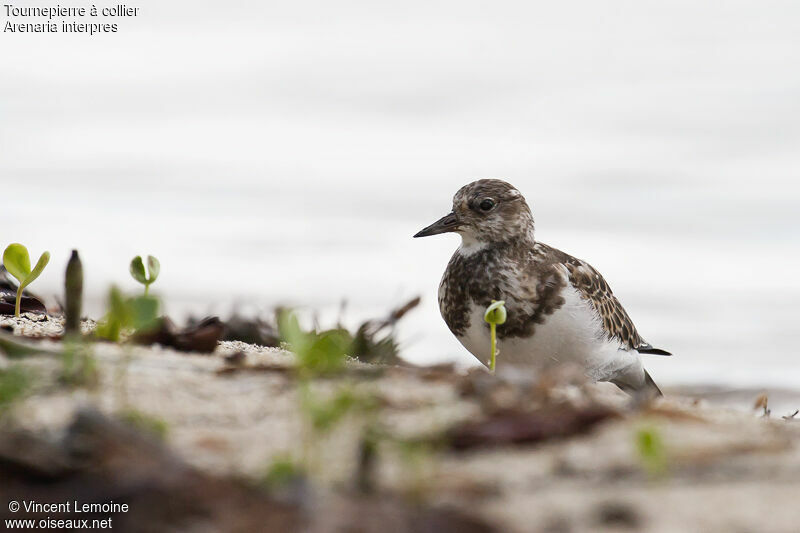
419	467
321	354
652	452
78	365
125	313
145	422
324	415
18	263
495	315
14	383
138	273
281	472
317	353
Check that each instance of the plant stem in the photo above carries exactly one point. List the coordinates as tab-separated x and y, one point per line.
493	329
19	300
73	294
146	288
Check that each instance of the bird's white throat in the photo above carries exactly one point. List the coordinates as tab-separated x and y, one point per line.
470	245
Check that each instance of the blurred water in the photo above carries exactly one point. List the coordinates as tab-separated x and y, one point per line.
286	152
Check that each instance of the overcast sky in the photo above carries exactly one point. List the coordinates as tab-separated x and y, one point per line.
287	151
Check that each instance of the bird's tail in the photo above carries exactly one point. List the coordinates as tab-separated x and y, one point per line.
647	390
651	386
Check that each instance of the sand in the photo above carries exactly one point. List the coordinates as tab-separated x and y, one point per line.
726	467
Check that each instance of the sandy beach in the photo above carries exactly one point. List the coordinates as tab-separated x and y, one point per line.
720	465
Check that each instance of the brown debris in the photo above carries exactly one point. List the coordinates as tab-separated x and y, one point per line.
619	515
372	342
236	358
262	367
515	427
101	460
202	337
27	305
8	297
252	331
791	416
380	514
762	402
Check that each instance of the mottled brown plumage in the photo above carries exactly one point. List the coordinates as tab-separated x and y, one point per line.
482	277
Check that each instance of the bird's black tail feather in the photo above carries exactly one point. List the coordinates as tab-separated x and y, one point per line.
651	350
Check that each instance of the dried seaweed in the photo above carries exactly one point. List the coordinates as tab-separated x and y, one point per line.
372	342
252	331
515	427
792	416
201	337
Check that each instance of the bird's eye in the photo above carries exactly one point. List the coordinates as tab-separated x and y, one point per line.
487	204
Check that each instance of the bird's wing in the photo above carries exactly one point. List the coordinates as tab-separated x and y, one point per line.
591	285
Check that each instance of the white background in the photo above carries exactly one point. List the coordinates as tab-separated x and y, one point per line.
285	152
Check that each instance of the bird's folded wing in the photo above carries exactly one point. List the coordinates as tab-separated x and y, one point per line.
616	323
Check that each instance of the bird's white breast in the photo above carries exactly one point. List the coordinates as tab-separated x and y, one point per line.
572	334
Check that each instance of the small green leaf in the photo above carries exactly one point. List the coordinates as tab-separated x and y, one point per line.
281	472
143	312
317	353
116	317
37	270
327	352
17	261
496	313
291	333
145	422
139	313
14	383
652	452
137	270
153	267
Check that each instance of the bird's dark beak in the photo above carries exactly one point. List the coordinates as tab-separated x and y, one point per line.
445	224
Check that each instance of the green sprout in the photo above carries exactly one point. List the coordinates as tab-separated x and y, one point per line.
495	315
317	353
281	472
78	365
321	354
325	414
137	313
138	273
145	422
652	451
14	383
18	263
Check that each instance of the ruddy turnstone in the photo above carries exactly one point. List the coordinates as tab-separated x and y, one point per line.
560	309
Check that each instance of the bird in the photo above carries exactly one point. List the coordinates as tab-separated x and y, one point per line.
560	309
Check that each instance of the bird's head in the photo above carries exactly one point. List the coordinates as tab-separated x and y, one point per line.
484	212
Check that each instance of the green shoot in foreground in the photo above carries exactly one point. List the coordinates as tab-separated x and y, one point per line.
18	263
495	315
